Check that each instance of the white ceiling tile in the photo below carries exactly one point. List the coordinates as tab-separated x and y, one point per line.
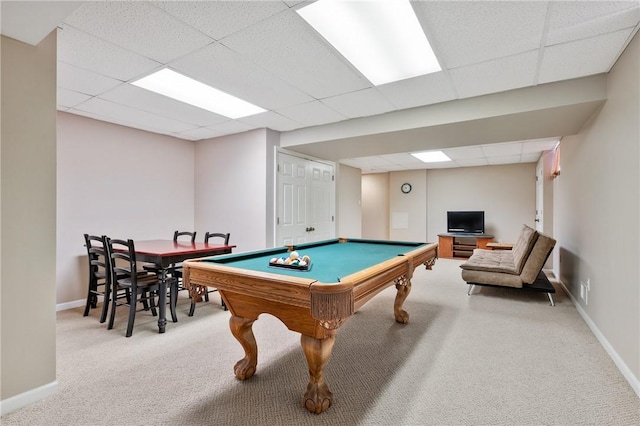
68	98
221	18
145	100
440	165
575	20
286	46
84	81
227	128
224	69
469	32
403	159
397	167
350	162
201	133
464	153
581	58
311	113
85	51
423	90
31	21
497	75
538	145
361	103
502	149
119	121
132	115
375	160
475	162
509	159
571	20
532	157
272	120
139	27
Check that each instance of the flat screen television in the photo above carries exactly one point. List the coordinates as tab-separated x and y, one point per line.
465	222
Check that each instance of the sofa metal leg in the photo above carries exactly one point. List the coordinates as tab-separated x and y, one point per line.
471	286
551	299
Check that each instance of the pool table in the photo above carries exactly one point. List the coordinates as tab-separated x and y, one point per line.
342	275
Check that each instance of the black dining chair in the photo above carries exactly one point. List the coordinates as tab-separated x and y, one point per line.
98	282
124	275
218	235
220	238
176	269
178	235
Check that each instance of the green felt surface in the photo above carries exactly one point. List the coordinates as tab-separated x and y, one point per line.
330	260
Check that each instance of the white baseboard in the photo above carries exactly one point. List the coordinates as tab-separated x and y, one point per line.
70	305
622	366
22	400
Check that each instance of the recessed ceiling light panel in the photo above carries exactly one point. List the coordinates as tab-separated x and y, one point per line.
182	88
381	38
431	156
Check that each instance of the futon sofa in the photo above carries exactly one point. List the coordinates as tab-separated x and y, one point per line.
520	267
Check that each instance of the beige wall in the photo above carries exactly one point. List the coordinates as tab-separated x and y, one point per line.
506	194
597	215
28	219
232	173
349	202
375	206
116	181
408	212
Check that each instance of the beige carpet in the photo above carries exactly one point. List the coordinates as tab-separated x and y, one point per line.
498	357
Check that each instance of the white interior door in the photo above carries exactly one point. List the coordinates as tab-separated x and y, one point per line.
305	200
321	202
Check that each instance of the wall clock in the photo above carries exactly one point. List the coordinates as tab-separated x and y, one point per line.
405	188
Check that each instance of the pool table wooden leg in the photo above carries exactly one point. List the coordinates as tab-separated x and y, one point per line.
318	397
403	285
242	331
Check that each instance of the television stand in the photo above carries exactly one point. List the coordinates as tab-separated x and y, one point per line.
461	245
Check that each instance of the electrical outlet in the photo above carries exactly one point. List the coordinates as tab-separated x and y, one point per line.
588	284
582	290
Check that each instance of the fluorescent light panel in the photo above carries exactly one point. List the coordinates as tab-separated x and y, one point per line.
381	38
182	88
431	156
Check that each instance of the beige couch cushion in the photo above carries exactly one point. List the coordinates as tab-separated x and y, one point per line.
523	246
491	261
491	278
536	259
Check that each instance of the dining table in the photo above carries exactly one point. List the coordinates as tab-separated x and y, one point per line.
166	253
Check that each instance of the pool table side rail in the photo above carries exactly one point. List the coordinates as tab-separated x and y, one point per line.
269	286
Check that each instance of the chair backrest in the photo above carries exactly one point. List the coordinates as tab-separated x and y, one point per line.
523	246
96	253
122	260
537	258
225	237
178	234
